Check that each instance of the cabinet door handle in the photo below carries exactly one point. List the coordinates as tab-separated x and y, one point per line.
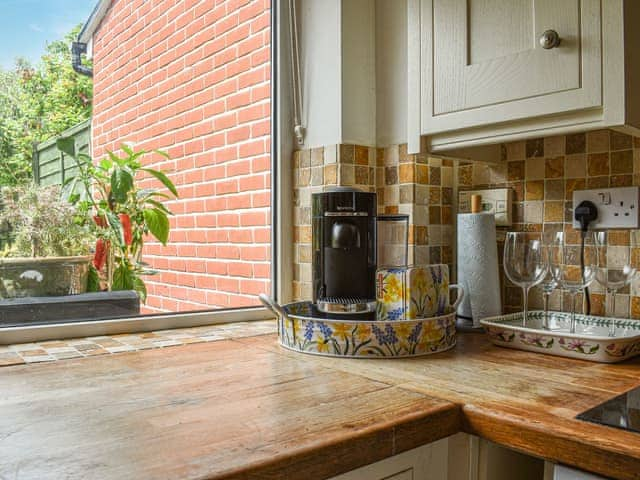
549	39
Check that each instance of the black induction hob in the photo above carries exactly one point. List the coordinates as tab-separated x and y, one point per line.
622	412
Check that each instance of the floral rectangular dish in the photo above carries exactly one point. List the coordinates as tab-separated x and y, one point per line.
598	339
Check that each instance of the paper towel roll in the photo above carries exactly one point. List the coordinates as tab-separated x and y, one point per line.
478	266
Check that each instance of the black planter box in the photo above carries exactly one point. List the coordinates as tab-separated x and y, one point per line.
70	308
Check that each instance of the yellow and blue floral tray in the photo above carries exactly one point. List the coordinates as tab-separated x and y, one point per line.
303	330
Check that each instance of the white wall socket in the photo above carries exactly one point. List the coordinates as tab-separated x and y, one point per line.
497	201
617	207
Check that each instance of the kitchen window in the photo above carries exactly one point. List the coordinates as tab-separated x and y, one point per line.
196	83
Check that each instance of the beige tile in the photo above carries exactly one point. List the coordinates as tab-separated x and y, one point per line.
554	146
533	212
317	157
347	153
598	141
391	156
515	150
575	166
497	174
534	168
481	175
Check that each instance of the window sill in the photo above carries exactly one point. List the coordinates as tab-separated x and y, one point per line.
115	326
53	350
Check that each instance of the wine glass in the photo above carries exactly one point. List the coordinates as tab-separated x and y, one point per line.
575	268
550	247
524	263
616	268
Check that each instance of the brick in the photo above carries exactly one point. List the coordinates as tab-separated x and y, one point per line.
192	77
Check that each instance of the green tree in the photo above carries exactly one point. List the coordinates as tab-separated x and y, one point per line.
38	102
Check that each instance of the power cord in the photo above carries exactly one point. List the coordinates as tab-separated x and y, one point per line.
585	213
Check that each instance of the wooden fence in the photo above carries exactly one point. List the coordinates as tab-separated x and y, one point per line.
50	165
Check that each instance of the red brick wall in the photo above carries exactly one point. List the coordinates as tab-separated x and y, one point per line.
192	78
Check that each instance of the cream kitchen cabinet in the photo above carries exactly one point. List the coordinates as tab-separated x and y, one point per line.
459	457
487	71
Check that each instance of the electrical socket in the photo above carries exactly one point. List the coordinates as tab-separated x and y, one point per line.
617	207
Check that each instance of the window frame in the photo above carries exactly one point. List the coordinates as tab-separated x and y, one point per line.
282	145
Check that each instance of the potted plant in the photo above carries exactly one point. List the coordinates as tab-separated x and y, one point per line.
49	252
124	213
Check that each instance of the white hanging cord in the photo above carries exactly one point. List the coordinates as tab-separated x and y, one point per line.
298	129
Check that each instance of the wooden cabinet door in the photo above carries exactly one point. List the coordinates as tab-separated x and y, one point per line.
428	462
483	62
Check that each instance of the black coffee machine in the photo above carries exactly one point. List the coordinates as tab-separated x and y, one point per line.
344	251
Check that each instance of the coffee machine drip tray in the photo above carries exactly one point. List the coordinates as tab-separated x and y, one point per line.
345	305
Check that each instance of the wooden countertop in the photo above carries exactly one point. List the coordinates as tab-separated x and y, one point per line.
248	409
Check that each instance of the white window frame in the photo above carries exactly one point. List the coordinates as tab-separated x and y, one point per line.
282	144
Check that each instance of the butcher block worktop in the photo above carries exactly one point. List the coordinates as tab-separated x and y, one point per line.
247	409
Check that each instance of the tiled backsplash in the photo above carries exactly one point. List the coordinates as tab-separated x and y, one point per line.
543	173
417	185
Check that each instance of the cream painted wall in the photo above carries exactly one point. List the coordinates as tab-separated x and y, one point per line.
359	72
320	70
391	72
354	71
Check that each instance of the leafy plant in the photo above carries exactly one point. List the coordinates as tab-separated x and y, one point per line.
44	224
37	102
123	212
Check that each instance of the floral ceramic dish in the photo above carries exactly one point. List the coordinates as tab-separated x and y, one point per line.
591	341
302	328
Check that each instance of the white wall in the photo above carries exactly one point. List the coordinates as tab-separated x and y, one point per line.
320	70
391	72
359	72
354	71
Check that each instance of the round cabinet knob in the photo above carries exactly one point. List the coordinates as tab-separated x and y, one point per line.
549	39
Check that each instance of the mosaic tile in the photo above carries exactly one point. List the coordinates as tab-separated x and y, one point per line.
576	143
554	146
535	168
362	175
515	151
422	174
534	190
535	147
554	189
598	182
347	153
465	175
434	175
622	162
361	155
554	167
575	166
391	175
406	172
620	141
10	358
621	181
497	174
553	211
317	157
598	141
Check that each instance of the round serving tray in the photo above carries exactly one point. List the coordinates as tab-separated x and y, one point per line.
303	328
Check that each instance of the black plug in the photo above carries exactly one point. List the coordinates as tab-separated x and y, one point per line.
585	213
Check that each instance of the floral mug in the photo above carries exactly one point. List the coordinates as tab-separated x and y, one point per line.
413	292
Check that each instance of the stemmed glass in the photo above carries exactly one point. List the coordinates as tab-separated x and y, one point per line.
551	243
575	268
616	268
524	263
